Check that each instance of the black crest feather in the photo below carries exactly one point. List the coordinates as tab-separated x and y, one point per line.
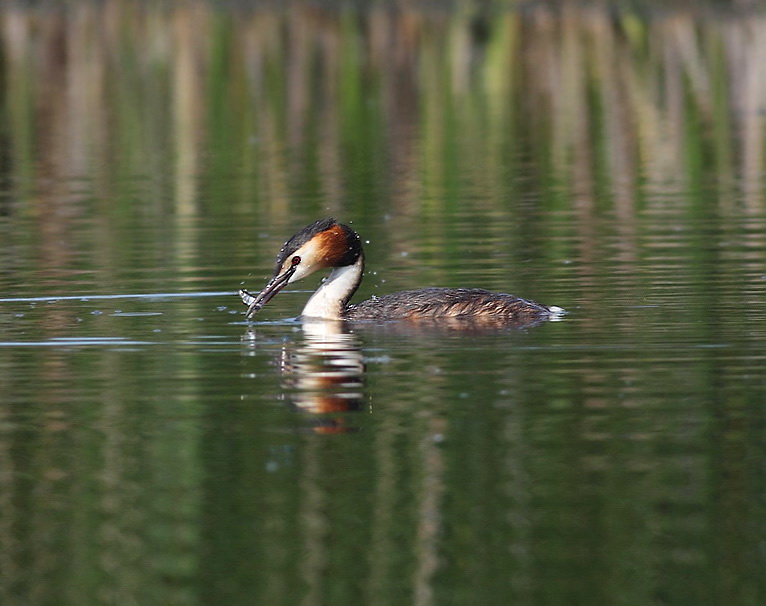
302	237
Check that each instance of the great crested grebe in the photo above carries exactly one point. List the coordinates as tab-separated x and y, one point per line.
329	244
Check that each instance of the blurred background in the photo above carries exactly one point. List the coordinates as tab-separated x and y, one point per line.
607	157
142	113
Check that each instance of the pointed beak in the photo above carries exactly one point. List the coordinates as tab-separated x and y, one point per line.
277	283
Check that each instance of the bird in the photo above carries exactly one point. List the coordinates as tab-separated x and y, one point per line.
327	244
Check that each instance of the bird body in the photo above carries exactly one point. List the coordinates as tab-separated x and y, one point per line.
444	303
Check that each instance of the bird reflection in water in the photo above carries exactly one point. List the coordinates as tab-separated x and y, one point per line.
323	375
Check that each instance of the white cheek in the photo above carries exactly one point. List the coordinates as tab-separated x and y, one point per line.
307	252
304	269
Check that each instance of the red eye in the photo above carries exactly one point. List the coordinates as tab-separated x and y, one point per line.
296	260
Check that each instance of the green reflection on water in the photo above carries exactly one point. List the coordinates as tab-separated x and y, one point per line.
608	163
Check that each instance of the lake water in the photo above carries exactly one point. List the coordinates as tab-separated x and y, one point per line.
155	447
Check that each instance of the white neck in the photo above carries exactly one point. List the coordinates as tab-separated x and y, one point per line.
330	299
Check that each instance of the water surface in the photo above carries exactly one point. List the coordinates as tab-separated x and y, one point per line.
155	447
